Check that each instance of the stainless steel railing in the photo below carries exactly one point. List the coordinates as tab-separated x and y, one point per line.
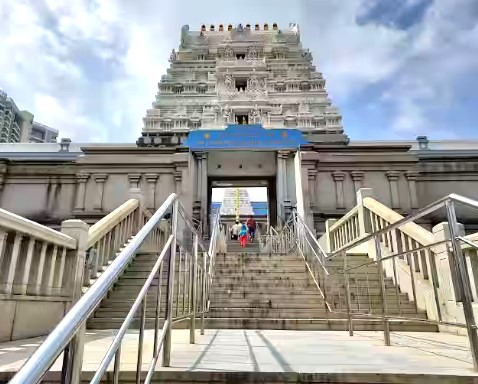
401	280
278	242
187	296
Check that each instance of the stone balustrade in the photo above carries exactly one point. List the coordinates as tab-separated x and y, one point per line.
37	275
43	271
423	267
345	230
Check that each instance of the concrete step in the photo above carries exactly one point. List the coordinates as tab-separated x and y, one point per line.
323	324
221	285
317	324
265	303
250	291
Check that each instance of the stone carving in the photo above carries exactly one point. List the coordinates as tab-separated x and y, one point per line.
228	53
303	108
184	35
307	55
255	115
254	84
173	57
226	115
252	53
240	28
229	82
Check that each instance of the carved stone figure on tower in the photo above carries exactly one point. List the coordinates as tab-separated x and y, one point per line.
228	53
228	82
252	53
254	82
226	115
173	57
255	115
184	35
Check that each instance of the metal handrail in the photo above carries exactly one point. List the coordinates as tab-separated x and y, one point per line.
70	327
468	242
441	203
319	278
413	256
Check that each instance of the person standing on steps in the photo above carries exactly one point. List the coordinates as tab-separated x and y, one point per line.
235	229
251	227
243	236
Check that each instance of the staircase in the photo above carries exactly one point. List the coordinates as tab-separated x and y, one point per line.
113	309
258	291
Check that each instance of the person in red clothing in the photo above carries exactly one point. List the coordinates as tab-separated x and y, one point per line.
243	236
251	227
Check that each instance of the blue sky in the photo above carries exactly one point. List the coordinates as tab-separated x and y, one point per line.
395	68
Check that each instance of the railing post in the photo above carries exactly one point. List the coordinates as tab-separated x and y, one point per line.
463	282
170	288
383	291
192	328
328	235
73	356
203	289
363	219
347	295
135	193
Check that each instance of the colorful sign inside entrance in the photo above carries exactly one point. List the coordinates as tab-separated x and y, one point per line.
252	137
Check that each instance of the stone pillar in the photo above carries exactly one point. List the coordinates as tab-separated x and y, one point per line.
312	173
280	184
52	194
393	181
151	179
329	240
357	178
81	179
339	177
100	179
365	226
284	155
134	179
74	278
446	272
412	187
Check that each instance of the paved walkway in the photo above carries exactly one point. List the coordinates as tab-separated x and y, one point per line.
278	351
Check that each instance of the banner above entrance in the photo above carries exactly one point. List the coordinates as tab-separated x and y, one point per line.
251	137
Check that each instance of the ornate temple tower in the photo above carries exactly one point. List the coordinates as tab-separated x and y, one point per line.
240	74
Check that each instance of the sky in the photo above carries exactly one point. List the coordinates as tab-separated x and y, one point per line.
255	194
395	68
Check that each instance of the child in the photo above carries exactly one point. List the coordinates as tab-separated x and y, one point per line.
243	236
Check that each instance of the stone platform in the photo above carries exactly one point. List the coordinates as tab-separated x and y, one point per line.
279	356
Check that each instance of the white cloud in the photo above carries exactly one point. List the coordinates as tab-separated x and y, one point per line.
90	68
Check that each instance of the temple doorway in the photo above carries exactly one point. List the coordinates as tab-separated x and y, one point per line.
238	199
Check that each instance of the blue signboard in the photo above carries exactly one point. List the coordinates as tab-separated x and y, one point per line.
249	137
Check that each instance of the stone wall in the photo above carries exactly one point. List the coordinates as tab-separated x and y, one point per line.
401	179
49	191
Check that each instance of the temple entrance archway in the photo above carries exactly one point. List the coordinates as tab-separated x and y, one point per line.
267	218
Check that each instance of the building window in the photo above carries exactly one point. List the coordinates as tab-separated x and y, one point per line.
241	84
242	118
